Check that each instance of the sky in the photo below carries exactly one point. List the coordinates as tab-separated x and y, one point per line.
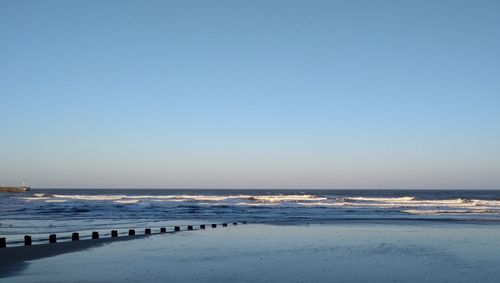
250	94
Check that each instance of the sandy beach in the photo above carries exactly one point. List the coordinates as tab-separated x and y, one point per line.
13	259
340	252
351	141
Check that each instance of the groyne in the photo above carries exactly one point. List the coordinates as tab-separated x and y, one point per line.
113	234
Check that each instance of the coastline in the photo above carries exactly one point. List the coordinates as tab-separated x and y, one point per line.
14	259
347	252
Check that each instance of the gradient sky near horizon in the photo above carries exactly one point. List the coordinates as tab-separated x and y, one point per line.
250	94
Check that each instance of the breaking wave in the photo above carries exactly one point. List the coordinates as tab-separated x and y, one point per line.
48	211
403	204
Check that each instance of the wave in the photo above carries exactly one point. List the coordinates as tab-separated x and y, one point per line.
405	204
91	197
132	201
450	211
285	198
379	199
256	198
282	198
76	210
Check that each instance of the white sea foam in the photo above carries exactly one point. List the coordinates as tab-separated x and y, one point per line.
324	204
378	199
450	211
285	198
411	201
91	197
406	204
256	198
78	210
129	201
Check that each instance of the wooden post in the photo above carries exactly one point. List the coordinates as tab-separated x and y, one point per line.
177	228
95	235
202	226
147	231
3	243
52	239
75	237
114	233
214	225
163	230
131	232
27	240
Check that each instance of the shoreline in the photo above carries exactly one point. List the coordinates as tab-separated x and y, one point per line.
14	256
19	243
14	259
271	253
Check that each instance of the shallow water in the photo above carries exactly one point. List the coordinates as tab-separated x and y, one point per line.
41	212
350	252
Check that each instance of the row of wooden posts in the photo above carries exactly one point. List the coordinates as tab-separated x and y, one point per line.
114	233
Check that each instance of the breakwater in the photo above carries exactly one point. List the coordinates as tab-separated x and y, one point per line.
14	189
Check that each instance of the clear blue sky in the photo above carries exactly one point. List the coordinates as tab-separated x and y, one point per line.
250	94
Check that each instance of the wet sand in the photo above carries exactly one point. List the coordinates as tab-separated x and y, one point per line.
362	252
13	259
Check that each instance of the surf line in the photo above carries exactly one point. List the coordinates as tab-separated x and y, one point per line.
52	239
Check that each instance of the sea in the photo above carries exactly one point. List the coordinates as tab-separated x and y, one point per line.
41	212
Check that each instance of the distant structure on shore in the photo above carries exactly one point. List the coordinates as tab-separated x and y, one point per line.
20	189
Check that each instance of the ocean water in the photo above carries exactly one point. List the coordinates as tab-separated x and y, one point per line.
44	211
